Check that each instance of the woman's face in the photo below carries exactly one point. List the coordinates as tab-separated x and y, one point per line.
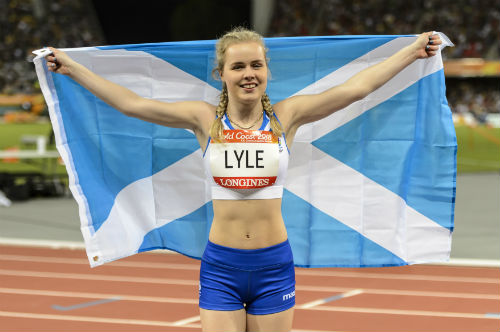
245	72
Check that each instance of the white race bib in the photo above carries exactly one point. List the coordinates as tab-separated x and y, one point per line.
247	159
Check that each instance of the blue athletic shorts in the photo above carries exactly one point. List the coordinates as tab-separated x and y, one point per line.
260	280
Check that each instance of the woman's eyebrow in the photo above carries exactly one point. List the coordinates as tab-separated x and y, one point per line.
242	62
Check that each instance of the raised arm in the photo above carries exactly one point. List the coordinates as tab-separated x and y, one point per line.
194	115
296	111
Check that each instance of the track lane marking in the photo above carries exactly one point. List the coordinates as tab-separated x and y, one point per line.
93	319
493	315
400	292
80	245
310	272
110	320
308	330
79	261
52	244
187	321
300	307
22	291
315	303
311	288
392	276
84	304
402	312
82	276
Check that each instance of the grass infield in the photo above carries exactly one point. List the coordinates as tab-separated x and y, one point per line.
478	148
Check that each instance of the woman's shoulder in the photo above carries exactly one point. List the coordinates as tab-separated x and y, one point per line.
207	108
284	110
205	113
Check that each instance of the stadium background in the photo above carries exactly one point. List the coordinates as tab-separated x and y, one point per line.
35	205
472	71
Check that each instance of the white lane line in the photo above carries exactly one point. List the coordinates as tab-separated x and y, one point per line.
471	262
75	245
82	276
300	330
327	289
306	272
394	276
92	319
402	312
22	291
79	261
42	243
493	315
186	321
311	304
400	292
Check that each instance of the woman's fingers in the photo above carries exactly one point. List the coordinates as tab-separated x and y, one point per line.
427	44
430	48
433	44
52	63
435	40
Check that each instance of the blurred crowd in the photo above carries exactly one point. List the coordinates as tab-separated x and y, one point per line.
478	97
26	25
473	25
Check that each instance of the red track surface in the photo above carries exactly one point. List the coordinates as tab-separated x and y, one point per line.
158	292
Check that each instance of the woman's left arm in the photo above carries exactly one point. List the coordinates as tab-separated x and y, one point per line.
298	110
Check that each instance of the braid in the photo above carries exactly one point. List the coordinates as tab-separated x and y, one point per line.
217	129
268	108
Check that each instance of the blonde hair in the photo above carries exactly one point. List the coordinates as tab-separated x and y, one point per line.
238	35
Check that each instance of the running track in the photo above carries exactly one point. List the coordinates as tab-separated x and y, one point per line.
43	289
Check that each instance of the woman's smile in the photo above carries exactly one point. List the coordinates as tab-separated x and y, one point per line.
249	87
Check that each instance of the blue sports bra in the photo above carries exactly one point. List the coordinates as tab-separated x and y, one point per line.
249	164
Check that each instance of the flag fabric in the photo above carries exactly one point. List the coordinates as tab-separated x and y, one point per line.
371	185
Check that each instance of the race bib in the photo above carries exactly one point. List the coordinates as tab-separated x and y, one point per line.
247	159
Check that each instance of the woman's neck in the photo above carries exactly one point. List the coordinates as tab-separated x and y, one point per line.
244	113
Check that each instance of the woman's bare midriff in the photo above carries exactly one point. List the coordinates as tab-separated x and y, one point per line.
247	224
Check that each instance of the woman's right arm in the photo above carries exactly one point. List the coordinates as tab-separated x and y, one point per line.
194	115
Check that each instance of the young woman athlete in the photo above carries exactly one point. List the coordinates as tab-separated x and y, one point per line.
247	280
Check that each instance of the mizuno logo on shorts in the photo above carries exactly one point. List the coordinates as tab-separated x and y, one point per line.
288	296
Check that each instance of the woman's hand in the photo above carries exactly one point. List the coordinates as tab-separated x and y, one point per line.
59	62
427	45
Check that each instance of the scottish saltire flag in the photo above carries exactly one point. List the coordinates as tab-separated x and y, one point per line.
371	185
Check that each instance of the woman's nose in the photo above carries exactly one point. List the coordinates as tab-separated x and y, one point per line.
249	72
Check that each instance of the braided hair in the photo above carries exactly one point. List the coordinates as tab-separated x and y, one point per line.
217	128
268	108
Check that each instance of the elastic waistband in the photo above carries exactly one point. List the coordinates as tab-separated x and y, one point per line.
248	259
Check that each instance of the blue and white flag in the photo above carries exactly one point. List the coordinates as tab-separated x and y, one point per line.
370	185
